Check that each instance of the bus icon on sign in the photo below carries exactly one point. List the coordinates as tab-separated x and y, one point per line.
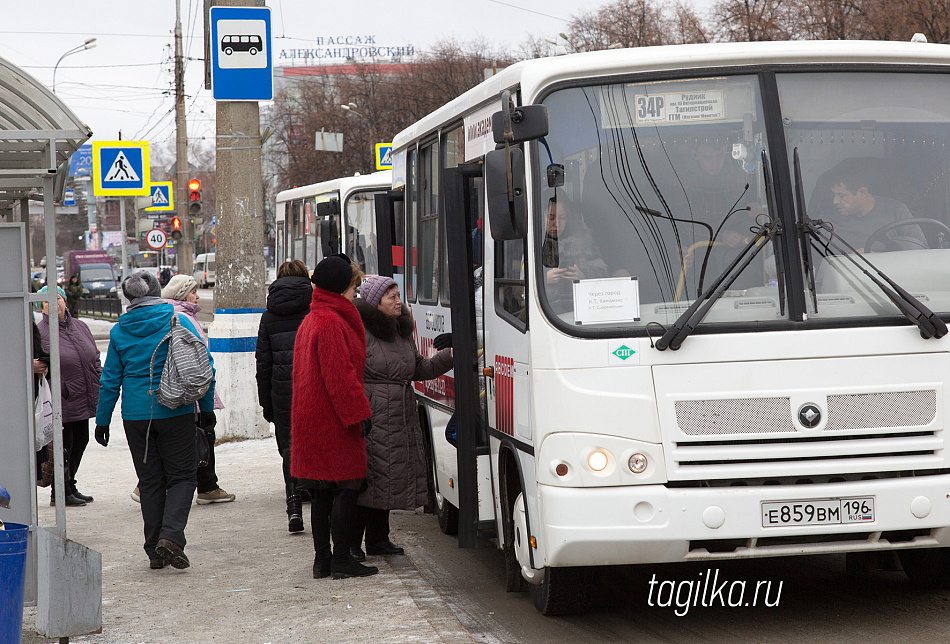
250	44
242	44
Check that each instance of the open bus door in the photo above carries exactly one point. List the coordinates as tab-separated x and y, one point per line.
462	205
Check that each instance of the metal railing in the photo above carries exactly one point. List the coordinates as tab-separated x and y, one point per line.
101	307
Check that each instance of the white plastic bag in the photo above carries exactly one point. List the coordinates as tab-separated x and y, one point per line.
43	415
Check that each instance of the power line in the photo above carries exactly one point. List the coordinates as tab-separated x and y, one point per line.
514	6
83	33
88	66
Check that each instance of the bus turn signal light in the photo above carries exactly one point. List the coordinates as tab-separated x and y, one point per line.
597	460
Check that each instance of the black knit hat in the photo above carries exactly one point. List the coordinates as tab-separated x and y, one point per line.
333	273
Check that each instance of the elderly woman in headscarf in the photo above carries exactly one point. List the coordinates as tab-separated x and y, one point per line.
161	439
396	475
182	293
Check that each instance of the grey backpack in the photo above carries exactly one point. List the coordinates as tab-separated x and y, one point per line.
187	373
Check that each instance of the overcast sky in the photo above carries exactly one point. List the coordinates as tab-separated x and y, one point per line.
125	83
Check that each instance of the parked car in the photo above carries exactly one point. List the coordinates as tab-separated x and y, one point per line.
204	270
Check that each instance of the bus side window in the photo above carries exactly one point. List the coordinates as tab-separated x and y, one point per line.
510	291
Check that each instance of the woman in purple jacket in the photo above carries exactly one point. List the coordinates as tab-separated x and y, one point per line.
79	368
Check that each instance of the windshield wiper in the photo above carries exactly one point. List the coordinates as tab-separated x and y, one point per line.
692	316
802	222
930	325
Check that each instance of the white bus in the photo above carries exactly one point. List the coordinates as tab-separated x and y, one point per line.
310	220
710	319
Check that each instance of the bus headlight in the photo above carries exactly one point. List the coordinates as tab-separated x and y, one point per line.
637	463
597	460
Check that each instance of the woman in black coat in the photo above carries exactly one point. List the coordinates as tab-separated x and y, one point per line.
288	302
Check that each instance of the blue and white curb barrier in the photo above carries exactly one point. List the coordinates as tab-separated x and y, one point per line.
232	339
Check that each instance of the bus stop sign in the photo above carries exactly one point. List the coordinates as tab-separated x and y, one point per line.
241	54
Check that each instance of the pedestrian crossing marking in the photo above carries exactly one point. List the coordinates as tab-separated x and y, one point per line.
158	197
121	169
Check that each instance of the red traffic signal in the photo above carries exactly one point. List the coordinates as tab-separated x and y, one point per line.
194	184
176	228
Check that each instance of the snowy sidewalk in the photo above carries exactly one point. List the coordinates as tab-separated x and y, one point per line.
250	580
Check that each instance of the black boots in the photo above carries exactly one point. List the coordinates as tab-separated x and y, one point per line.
384	548
294	514
343	567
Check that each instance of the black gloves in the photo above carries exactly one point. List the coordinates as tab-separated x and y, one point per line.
442	341
367	427
207	420
269	414
102	435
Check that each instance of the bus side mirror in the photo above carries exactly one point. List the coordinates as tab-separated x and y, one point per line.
327	208
507	217
527	123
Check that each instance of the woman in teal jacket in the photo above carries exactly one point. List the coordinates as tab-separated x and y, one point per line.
161	439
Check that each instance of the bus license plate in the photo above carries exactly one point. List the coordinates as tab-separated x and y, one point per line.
817	512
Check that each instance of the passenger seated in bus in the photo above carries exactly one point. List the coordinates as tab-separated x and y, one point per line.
568	253
861	210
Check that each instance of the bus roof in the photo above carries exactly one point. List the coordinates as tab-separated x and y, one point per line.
345	185
534	75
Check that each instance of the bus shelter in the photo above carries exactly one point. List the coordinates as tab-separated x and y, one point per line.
38	133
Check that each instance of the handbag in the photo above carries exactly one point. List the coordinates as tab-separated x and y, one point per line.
204	439
43	416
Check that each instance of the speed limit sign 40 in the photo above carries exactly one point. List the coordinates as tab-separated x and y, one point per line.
156	239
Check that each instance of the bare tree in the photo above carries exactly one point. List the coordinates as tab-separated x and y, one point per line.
382	99
627	23
752	20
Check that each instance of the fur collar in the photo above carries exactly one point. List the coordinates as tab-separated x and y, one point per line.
381	325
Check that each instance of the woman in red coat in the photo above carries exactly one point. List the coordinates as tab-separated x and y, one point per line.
328	410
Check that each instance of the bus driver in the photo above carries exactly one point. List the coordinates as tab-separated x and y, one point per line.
863	211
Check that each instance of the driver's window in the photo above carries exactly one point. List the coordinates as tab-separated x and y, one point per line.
874	165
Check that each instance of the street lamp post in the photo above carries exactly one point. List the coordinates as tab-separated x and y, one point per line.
89	44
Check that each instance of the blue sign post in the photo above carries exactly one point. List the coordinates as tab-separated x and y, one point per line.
241	54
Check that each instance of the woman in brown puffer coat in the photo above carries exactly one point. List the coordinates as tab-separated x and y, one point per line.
396	470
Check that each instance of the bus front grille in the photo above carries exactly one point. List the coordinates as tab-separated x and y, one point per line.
865	432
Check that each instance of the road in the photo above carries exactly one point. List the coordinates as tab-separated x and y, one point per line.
819	600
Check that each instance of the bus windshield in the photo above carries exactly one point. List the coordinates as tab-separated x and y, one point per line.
664	187
663	183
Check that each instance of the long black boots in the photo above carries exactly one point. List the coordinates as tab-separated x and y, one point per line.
332	513
294	514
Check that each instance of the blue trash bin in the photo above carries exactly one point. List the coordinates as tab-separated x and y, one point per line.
12	574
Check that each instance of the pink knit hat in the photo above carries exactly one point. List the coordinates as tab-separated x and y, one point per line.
375	287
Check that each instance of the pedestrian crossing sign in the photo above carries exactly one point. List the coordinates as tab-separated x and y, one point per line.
120	168
384	156
162	196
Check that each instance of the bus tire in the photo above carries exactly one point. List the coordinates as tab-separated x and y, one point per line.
228	51
926	567
563	591
445	512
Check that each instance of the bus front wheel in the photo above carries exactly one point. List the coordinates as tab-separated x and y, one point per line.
927	567
228	51
563	591
447	514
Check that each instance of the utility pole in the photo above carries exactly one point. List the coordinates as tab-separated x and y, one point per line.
239	293
186	246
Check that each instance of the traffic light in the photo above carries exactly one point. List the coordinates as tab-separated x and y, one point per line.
176	228
194	201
